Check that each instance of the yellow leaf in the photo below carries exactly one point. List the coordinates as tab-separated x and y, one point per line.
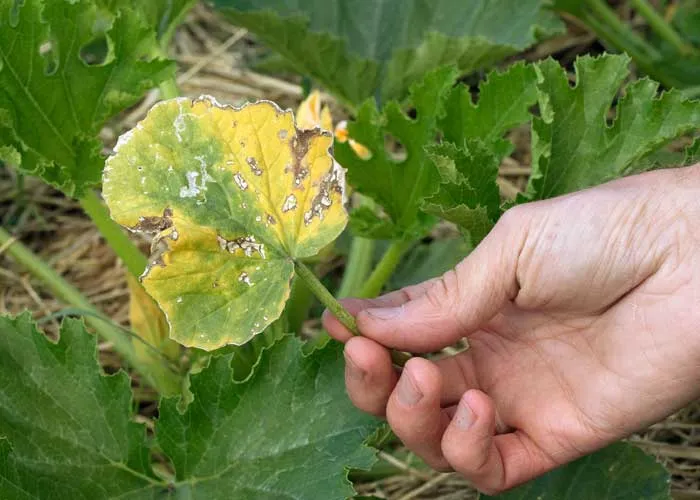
232	196
149	323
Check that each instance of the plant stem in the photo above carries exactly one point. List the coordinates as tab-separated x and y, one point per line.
385	268
360	258
327	299
169	89
133	259
660	26
357	268
619	33
163	379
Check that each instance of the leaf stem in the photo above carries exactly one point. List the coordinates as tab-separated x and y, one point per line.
327	299
133	259
160	377
385	268
660	26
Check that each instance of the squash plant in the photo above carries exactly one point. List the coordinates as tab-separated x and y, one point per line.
239	200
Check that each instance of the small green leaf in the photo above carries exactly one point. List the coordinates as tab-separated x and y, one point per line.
362	48
67	428
52	103
398	185
504	102
468	195
619	472
288	431
573	147
234	195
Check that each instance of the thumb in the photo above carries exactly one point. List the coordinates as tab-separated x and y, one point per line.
460	301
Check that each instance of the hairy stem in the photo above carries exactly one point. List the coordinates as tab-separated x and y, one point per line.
158	375
385	268
327	299
133	259
660	26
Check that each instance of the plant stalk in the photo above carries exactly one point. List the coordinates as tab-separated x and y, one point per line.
358	267
161	378
133	259
660	26
385	268
327	299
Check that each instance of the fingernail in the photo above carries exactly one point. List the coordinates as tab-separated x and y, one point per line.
384	312
408	392
354	372
464	417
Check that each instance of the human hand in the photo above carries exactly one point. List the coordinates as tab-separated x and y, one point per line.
582	315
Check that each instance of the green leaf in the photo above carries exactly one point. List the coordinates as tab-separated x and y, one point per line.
67	429
468	194
362	48
429	260
233	196
618	472
573	147
286	431
398	185
289	431
53	104
504	102
163	15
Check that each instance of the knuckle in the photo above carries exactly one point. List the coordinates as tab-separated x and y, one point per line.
514	218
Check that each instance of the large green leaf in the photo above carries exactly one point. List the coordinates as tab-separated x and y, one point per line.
52	103
468	194
236	195
398	185
364	48
289	431
66	432
618	472
67	428
573	147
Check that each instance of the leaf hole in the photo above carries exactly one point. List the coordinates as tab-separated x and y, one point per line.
95	52
48	50
395	150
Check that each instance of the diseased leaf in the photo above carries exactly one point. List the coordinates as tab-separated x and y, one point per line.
618	472
52	103
573	147
362	48
234	194
398	185
503	103
468	194
218	453
67	429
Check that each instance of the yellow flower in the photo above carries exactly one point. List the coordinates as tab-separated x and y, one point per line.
311	113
